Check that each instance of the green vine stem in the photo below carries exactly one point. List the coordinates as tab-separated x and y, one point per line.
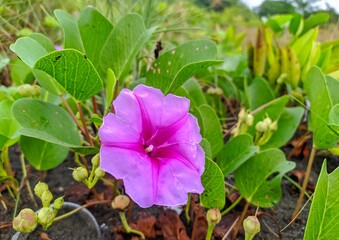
307	176
210	229
227	210
79	208
127	227
188	207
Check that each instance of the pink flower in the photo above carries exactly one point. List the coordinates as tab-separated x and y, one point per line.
152	143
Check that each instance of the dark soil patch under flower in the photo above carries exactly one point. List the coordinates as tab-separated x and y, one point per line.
157	222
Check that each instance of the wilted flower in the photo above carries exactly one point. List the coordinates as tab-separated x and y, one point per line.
152	143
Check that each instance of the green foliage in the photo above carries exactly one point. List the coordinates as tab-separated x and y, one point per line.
73	71
130	34
323	218
41	154
259	178
47	122
176	66
322	101
210	127
235	152
213	181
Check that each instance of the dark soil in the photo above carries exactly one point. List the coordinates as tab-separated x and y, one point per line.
156	222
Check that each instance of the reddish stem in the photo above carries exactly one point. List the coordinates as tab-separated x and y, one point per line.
82	117
72	114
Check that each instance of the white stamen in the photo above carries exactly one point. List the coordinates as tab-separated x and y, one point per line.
149	149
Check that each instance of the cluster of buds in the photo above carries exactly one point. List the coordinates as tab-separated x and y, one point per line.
264	131
81	174
28	90
27	220
251	227
245	120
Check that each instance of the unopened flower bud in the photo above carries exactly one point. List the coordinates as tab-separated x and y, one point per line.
46	216
36	90
26	221
213	216
80	174
242	114
40	188
25	90
267	121
251	227
211	91
261	127
249	120
121	202
46	198
57	204
96	160
99	173
273	126
218	91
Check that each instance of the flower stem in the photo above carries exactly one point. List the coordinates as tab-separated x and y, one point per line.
127	227
227	210
72	114
210	229
95	105
307	176
79	208
243	214
187	209
82	117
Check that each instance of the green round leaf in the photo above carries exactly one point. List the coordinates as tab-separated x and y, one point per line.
41	154
73	71
47	122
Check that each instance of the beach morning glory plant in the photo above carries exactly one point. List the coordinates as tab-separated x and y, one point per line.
151	142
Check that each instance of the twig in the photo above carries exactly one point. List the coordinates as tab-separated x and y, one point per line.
307	176
243	214
230	229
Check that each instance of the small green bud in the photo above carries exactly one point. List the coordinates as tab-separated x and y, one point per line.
96	160
26	221
46	198
40	188
57	204
242	114
211	91
251	227
80	174
273	126
213	216
267	121
46	216
249	120
121	202
36	90
99	173
261	127
26	90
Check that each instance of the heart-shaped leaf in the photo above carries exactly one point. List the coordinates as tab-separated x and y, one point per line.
73	71
259	178
41	154
176	66
323	219
235	152
47	122
123	44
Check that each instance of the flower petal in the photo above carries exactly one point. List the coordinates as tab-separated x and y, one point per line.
127	108
116	130
119	162
176	180
174	109
141	182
